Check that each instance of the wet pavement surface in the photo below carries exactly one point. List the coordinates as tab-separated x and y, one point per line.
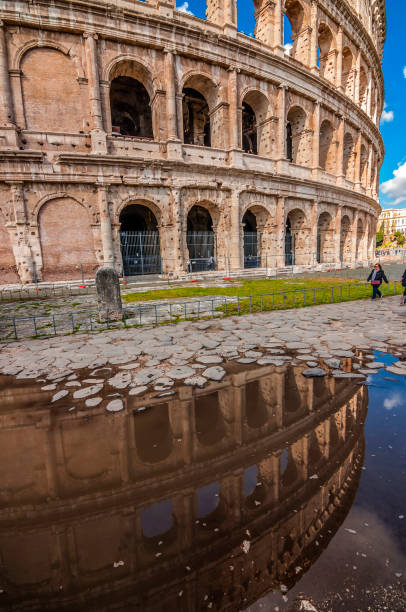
263	489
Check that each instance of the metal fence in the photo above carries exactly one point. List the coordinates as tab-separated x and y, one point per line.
15	328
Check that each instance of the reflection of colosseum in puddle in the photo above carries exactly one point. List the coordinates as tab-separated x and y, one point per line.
173	491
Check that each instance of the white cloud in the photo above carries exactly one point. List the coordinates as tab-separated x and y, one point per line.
404	72
393	401
288	48
387	116
184	8
395	188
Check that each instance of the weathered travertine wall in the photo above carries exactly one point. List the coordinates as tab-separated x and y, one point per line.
67	170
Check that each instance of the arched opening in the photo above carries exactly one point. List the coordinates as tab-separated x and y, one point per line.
157	519
139	238
209	421
249	130
196	118
296	239
325	239
347	72
295	44
208	499
130	107
251	258
256	412
363	89
345	240
326	148
289	244
297	141
256	135
200	239
348	157
153	434
325	57
364	165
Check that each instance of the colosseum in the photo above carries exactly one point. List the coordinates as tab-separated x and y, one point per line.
137	135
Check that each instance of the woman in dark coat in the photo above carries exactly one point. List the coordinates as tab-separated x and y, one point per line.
375	278
404	285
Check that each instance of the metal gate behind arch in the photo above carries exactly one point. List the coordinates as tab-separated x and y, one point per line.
140	252
289	249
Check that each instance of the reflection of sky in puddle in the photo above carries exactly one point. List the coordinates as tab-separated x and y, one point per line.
157	519
208	498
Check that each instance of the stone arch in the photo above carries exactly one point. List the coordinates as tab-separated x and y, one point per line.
66	238
326	55
325	238
256	134
56	196
258	237
349	157
52	97
295	13
8	268
297	237
201	239
298	137
16	62
200	126
347	77
327	152
345	239
140	242
131	99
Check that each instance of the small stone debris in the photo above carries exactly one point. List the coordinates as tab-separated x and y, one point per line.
115	405
195	381
138	390
245	546
91	402
314	373
352	531
181	372
118	564
216	373
206	359
92	390
59	395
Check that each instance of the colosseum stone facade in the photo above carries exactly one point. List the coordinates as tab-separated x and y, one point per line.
135	134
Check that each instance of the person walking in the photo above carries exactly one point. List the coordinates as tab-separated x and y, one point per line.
403	281
375	278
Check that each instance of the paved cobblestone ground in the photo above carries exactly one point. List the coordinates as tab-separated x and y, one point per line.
321	337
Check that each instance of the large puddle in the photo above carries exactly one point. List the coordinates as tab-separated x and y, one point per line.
266	491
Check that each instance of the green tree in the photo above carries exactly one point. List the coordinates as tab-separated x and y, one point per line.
380	236
400	238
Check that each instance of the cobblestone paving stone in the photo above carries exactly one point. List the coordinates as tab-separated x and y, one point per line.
115	361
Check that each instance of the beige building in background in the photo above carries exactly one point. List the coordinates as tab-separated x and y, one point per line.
134	134
393	220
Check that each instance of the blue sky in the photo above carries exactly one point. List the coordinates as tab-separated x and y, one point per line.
394	66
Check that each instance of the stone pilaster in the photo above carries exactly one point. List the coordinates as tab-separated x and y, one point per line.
98	135
21	241
337	235
339	66
235	241
8	131
105	225
316	138
313	36
264	22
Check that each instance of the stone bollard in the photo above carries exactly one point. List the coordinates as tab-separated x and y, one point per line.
108	294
